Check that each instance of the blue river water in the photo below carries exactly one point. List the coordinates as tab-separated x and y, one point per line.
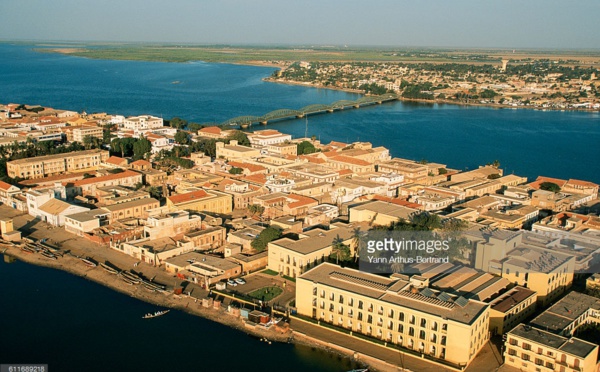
526	142
72	324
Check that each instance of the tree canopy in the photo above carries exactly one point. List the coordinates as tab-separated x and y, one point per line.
306	147
549	186
267	235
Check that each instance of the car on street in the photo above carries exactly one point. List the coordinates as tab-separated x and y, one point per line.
231	283
240	281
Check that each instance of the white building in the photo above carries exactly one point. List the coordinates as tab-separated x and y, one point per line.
144	122
266	137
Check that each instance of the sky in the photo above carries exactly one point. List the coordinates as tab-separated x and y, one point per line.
549	24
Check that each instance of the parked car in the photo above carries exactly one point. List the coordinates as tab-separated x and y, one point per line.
231	283
240	281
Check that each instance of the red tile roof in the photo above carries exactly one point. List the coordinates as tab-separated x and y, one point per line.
4	185
188	197
349	160
541	179
251	167
115	160
213	130
142	163
300	201
581	183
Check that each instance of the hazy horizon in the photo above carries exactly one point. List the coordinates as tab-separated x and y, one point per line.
464	24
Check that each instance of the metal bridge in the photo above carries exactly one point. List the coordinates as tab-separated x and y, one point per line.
285	114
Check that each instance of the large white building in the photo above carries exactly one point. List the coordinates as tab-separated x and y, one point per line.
266	137
143	122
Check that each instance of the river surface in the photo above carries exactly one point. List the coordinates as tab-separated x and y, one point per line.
526	142
52	317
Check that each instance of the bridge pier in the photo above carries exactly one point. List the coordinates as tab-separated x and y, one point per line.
245	125
263	122
356	106
330	111
300	116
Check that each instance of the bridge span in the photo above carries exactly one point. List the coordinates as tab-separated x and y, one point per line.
287	114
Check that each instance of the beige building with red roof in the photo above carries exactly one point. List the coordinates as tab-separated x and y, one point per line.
115	162
202	201
214	132
7	191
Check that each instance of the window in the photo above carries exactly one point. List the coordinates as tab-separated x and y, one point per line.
401	317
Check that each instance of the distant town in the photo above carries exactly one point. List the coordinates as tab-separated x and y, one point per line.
541	84
266	232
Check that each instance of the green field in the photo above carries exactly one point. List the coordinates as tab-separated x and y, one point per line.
266	293
169	53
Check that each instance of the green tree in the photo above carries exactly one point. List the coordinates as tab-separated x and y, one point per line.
155	192
236	170
239	136
306	147
549	186
267	235
442	171
182	137
177	123
256	209
194	127
426	221
141	148
339	250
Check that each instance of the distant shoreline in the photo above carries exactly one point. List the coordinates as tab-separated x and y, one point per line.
431	102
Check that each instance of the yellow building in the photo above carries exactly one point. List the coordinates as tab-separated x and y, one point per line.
235	151
293	257
510	309
532	349
83	131
49	165
132	209
202	201
391	309
380	213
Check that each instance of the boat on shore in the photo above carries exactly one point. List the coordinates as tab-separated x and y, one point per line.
88	261
27	249
108	268
49	255
156	314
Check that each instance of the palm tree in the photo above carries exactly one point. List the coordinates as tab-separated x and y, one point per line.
339	249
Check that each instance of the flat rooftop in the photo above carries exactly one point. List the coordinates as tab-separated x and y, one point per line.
385	208
511	299
573	346
564	312
317	239
392	290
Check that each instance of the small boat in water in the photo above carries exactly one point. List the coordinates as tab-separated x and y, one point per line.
158	313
